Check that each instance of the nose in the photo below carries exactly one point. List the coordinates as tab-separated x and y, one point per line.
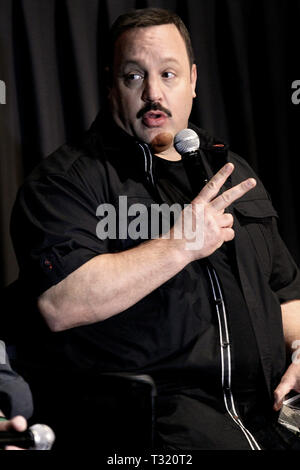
152	90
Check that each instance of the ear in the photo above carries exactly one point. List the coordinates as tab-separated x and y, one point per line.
194	79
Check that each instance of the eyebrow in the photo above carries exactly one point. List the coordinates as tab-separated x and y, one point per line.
166	60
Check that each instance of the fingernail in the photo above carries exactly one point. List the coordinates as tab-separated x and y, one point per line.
228	166
251	183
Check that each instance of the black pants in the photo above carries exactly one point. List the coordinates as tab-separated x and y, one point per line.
185	422
110	415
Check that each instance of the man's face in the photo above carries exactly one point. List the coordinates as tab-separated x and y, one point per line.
153	84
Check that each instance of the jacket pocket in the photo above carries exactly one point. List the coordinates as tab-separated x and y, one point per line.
256	217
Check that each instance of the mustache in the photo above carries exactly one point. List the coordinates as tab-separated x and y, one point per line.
153	107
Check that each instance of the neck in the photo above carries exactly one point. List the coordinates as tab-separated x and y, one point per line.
169	154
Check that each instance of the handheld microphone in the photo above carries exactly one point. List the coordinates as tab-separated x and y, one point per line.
37	437
187	144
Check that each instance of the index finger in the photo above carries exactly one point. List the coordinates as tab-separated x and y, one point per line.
232	194
212	188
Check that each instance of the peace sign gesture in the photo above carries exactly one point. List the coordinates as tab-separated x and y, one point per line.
204	225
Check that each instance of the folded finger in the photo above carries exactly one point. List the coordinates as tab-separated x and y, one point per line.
229	234
225	220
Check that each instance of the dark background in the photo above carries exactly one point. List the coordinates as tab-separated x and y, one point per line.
51	59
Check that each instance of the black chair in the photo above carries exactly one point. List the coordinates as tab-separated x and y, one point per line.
143	392
123	403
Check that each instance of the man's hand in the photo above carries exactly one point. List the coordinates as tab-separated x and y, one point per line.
18	423
290	381
206	214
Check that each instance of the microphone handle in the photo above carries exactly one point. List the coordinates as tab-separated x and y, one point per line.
195	171
25	439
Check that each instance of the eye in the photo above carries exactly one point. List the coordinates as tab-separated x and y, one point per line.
167	74
133	77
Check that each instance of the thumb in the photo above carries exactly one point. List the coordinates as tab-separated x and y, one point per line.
280	392
18	423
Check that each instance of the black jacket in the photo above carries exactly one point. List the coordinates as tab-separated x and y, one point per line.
56	208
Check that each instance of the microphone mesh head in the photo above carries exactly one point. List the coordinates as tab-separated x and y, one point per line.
43	436
186	141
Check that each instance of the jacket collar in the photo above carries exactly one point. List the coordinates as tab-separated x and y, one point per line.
105	137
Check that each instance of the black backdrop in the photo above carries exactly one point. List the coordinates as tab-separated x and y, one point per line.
51	59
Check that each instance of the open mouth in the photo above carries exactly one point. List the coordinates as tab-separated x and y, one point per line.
154	118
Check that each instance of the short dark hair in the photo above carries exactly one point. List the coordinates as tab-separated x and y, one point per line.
145	17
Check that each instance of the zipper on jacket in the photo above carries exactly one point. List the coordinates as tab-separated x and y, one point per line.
226	357
222	321
148	163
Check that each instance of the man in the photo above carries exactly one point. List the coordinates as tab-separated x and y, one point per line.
204	322
15	398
